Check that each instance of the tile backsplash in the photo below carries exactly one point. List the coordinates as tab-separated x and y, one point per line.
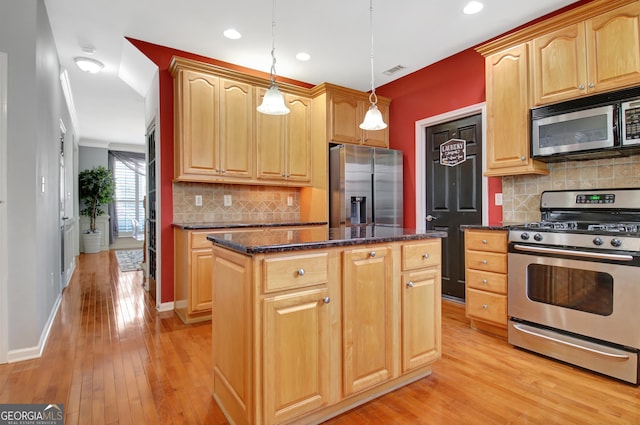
252	204
521	194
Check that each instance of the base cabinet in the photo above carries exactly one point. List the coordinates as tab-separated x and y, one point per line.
301	336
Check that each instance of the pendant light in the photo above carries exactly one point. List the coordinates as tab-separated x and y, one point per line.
273	102
373	118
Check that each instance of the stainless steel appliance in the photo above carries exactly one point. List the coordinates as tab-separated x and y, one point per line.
574	281
365	185
601	125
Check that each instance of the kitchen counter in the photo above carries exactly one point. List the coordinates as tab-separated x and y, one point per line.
282	240
240	225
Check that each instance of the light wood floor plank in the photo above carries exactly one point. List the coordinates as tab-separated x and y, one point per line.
113	359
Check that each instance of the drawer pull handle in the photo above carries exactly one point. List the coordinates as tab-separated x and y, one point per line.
484	261
485	281
484	241
410	284
425	256
485	306
326	300
372	254
301	272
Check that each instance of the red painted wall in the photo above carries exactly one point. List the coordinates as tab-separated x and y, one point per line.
161	56
452	83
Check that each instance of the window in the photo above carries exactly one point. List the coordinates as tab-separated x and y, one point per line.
129	197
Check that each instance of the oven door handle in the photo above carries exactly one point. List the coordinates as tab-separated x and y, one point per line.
522	329
596	255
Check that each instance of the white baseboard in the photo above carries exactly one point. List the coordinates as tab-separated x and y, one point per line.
165	307
36	352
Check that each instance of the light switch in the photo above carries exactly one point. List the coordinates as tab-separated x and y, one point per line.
227	200
498	199
198	200
289	201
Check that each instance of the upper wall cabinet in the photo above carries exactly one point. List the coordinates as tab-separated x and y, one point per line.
596	55
283	142
346	111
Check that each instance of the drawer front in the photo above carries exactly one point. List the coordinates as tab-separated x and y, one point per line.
486	240
487	281
199	240
487	261
293	271
419	255
487	306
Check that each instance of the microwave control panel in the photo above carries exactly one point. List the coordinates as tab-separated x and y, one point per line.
631	124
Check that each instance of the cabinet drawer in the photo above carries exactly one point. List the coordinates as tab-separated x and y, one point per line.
199	240
486	240
488	261
487	281
487	306
419	255
294	271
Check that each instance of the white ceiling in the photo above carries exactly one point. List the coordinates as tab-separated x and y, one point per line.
411	33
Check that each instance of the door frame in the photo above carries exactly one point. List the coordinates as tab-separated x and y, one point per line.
421	166
4	304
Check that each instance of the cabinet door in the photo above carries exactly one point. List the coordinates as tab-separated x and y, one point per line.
298	129
345	113
507	75
197	124
296	353
236	129
378	138
421	342
367	318
559	65
270	144
201	269
613	48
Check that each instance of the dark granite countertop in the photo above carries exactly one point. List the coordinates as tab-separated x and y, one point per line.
236	225
281	240
503	226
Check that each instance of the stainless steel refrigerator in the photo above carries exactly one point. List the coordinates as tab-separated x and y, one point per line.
365	186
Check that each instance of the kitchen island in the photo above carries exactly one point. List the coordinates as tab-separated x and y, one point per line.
312	322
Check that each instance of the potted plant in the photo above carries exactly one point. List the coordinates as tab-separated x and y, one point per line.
96	188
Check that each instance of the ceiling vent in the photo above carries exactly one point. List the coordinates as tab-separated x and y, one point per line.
393	70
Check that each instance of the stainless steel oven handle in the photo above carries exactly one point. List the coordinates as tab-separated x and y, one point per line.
570	344
597	255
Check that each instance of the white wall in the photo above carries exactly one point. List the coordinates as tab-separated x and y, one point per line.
35	106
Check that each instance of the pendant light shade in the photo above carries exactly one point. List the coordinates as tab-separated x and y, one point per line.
273	101
373	118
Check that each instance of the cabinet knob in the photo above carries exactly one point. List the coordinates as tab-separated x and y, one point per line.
372	254
425	256
484	261
224	171
301	272
326	300
485	281
591	85
485	306
409	284
522	158
282	175
581	86
484	241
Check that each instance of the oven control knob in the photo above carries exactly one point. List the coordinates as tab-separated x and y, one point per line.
598	241
524	236
616	242
537	237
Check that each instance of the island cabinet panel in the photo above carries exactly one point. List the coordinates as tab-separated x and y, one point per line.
296	354
368	318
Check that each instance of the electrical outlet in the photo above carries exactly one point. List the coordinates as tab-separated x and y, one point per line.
227	200
198	200
290	201
498	199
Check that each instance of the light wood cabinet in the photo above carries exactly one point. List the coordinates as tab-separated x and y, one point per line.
598	55
213	127
192	275
283	142
346	112
507	99
486	279
367	343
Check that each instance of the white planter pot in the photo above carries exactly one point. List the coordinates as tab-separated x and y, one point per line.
91	242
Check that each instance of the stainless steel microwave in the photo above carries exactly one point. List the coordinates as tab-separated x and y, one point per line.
597	126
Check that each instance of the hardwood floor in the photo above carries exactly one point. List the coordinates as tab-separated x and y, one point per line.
112	358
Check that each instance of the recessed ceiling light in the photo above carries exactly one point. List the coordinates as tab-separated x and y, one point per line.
472	7
89	65
302	56
232	34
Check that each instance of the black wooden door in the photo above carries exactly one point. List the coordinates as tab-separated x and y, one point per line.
454	195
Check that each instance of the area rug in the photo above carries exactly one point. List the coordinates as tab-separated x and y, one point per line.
129	260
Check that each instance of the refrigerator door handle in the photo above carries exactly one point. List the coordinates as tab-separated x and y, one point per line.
429	217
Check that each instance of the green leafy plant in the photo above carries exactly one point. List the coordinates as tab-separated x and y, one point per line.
96	188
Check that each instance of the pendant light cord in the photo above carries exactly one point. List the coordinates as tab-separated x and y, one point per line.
372	97
272	74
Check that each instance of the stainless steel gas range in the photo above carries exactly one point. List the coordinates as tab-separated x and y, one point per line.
574	281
